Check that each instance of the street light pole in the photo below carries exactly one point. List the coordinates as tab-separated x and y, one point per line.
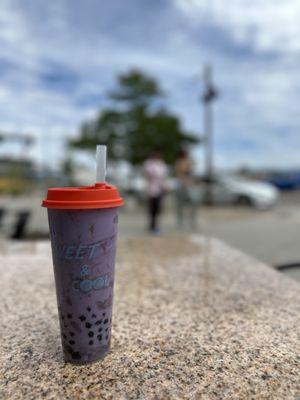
210	94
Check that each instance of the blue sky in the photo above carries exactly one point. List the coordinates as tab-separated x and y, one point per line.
58	58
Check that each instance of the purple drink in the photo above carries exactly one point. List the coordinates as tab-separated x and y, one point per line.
83	248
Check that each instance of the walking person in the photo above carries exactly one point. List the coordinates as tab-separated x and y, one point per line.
155	172
187	194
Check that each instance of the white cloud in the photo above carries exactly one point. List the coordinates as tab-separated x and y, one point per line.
258	95
268	24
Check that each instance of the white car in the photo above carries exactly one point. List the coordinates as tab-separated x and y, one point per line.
240	191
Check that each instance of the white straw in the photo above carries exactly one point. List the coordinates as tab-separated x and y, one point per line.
101	163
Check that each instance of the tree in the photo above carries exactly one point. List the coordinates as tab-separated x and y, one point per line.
136	123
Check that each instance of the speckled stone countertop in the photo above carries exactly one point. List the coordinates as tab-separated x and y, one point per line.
193	319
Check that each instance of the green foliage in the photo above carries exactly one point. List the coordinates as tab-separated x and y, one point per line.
136	88
136	124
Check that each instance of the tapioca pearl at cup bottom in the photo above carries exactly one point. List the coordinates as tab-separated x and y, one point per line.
76	326
76	355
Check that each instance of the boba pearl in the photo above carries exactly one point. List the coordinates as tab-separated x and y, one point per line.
75	325
76	355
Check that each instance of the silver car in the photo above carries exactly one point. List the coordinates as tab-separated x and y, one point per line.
240	191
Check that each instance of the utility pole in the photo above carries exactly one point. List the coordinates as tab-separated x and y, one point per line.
210	94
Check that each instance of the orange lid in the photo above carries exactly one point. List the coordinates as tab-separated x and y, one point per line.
100	195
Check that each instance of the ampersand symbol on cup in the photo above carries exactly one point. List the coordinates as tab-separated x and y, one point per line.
84	270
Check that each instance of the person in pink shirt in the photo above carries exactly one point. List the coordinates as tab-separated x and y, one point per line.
155	172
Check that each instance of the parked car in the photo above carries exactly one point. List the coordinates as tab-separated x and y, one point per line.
285	180
240	191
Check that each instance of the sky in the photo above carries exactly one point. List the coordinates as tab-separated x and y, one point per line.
58	58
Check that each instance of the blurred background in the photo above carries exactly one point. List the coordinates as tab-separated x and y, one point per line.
197	101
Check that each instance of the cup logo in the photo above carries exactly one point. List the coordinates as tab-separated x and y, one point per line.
84	270
86	285
73	252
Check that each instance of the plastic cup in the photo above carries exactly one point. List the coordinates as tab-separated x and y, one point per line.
83	230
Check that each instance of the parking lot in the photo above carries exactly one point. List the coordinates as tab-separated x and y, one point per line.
271	236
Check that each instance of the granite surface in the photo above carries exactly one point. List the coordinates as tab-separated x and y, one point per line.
193	319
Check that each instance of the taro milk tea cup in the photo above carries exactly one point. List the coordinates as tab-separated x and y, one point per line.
83	225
